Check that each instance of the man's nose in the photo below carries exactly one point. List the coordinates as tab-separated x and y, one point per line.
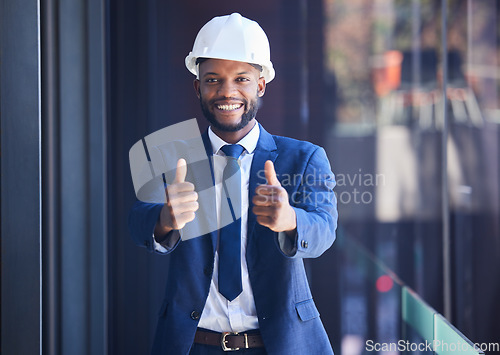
227	89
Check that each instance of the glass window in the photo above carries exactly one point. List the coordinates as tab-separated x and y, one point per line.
402	192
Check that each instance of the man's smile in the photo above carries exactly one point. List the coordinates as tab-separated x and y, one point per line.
230	107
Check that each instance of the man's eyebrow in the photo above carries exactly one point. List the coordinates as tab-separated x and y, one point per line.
210	73
242	73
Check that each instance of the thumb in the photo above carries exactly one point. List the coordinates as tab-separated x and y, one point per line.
181	171
271	174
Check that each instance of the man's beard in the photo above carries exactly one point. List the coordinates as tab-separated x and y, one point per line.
250	113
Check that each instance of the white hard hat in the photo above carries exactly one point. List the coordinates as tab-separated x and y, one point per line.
232	37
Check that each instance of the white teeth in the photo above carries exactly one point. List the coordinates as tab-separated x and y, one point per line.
229	107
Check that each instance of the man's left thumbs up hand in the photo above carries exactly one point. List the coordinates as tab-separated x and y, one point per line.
271	204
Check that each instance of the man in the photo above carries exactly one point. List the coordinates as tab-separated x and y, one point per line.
243	286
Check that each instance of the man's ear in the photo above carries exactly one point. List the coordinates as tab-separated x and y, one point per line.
261	84
196	84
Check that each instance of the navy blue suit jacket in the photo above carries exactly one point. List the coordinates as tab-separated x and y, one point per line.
288	319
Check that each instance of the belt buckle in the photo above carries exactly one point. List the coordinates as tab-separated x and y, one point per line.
223	341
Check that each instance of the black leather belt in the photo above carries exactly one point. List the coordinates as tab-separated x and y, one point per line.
229	341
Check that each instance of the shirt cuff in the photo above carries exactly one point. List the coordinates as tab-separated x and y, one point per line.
168	243
288	244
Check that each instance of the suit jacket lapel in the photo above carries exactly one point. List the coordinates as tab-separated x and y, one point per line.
209	151
266	150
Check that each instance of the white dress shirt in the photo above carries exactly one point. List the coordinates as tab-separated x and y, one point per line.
219	314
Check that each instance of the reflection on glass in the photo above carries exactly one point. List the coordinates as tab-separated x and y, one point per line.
384	61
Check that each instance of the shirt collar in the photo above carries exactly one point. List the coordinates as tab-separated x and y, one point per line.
249	142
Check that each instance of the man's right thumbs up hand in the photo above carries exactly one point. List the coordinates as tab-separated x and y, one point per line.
181	203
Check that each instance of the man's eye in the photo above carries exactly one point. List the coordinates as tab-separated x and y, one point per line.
242	79
211	80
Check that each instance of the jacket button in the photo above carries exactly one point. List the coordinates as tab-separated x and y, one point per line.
304	244
195	315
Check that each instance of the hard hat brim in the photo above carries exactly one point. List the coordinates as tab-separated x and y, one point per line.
267	68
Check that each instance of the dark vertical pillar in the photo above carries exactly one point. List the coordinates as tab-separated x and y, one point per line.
295	69
317	92
73	188
137	74
97	176
74	169
20	177
51	327
447	272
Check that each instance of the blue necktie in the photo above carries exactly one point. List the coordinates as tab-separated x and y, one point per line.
230	235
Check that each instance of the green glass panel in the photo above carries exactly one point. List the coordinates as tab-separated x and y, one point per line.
449	340
418	314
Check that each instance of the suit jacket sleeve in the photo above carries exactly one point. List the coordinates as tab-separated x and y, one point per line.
142	221
315	207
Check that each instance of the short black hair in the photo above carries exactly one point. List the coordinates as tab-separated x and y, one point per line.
200	60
